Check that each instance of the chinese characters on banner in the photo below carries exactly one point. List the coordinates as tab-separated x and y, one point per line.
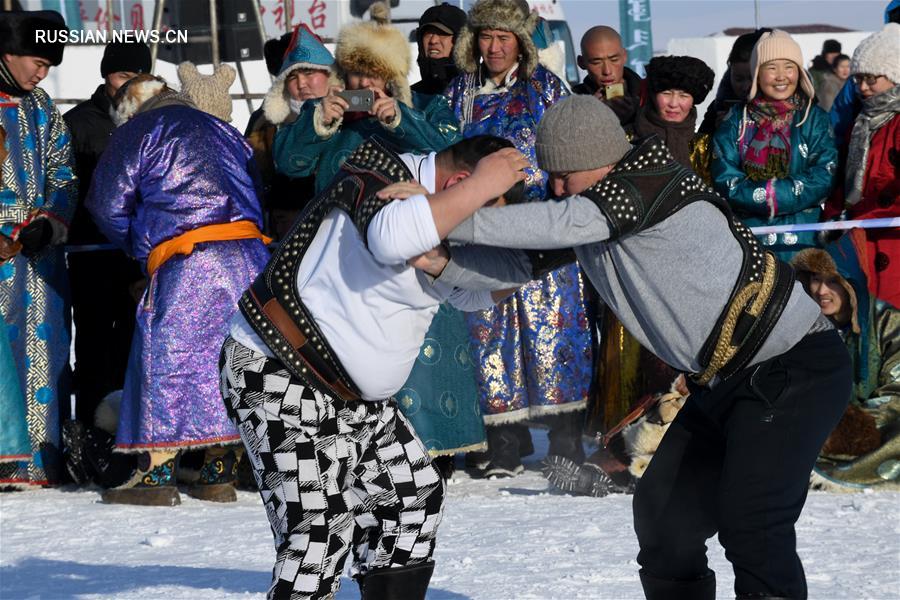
637	37
319	15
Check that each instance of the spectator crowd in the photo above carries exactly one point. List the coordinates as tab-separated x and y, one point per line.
185	210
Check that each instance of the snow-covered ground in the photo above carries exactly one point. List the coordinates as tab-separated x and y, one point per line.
503	539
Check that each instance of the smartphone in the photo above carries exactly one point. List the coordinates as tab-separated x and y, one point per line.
359	100
614	91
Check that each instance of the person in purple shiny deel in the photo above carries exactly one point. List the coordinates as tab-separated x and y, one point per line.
176	190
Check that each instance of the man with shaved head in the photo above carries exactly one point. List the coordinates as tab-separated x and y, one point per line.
604	58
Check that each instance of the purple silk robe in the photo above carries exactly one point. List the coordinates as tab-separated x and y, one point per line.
166	172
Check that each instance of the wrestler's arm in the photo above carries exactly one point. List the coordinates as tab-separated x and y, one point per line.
403	230
567	223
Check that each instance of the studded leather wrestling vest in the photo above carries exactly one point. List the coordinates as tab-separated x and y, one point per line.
273	306
646	187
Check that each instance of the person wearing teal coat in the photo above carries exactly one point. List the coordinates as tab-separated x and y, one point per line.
14	444
774	157
368	55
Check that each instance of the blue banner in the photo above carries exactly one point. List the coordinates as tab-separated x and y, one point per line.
637	37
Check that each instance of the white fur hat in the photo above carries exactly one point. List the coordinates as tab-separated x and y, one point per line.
879	54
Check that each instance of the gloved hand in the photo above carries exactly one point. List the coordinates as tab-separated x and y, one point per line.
35	236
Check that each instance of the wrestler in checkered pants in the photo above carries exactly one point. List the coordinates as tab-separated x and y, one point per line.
333	477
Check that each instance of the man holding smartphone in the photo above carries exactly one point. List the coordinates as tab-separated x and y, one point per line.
608	79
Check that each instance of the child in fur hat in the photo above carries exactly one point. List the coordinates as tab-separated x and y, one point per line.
369	56
774	158
864	448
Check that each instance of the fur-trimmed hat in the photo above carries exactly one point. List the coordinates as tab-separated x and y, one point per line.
814	261
879	54
208	92
506	15
375	48
685	73
305	50
18	34
775	45
141	94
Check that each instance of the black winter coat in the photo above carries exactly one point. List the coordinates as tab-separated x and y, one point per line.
90	125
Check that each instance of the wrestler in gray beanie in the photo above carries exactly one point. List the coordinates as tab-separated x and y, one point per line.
579	133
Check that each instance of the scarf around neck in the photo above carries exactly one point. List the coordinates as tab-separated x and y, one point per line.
876	112
677	136
768	154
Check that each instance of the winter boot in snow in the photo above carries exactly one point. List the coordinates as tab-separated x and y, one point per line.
153	483
579	480
403	583
565	435
503	445
217	476
656	588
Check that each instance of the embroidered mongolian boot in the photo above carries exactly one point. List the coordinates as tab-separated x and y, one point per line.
153	483
217	475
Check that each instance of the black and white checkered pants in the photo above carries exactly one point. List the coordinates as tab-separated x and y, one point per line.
332	477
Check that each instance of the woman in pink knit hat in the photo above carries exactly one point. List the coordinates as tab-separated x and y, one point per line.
774	157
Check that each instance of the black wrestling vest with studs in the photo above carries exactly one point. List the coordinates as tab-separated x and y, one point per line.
273	306
648	186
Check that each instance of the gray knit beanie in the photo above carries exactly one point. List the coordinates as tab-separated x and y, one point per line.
579	133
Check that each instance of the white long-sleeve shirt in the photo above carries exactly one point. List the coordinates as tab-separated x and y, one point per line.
371	306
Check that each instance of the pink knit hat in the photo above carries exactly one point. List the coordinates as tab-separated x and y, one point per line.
774	45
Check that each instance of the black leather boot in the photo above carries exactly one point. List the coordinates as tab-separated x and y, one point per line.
402	583
656	588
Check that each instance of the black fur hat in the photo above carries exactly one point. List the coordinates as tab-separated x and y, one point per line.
680	73
19	34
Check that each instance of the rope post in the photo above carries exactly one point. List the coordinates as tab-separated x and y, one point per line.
109	17
214	32
158	8
261	27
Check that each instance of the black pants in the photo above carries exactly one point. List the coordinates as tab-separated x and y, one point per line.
104	314
737	461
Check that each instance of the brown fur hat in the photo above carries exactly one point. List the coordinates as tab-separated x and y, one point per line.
813	261
143	93
505	15
375	48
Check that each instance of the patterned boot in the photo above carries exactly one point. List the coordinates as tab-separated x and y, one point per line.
153	483
217	475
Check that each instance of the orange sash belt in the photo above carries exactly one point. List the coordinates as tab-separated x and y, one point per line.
184	243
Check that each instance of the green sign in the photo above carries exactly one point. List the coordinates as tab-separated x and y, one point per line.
637	37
